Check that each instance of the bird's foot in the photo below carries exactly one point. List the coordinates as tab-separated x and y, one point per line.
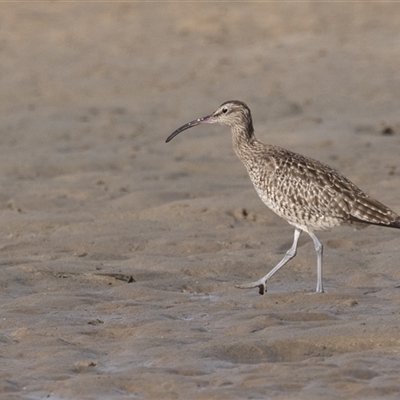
261	284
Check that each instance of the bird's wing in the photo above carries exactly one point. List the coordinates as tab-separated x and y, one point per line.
320	189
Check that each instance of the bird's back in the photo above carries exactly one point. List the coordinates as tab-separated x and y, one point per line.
308	193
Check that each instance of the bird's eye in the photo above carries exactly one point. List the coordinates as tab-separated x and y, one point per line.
224	110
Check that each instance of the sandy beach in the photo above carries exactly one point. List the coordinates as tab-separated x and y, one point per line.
120	253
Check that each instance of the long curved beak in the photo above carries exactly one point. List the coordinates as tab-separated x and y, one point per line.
205	120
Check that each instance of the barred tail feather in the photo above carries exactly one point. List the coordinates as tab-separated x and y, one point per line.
370	211
396	223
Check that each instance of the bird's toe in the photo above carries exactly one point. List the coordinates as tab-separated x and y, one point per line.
262	286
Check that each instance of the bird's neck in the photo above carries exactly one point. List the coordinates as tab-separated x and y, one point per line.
244	141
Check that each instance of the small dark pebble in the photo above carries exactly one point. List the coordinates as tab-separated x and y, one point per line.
96	321
387	131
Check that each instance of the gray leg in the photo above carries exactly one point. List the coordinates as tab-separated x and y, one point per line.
318	249
262	283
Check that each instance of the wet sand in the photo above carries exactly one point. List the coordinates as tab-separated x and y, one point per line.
119	253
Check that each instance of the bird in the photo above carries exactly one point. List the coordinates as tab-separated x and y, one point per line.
308	194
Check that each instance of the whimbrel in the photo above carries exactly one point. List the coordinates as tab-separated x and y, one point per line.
308	194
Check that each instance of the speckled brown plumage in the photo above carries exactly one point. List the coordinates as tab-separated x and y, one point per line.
308	194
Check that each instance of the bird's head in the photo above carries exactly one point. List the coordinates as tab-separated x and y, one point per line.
233	113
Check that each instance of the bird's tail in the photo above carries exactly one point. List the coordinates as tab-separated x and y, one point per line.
395	223
367	210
